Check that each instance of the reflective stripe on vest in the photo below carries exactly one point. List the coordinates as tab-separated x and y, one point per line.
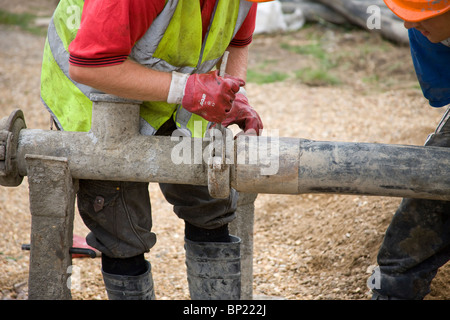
69	101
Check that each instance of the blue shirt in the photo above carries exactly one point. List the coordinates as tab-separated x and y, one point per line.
432	65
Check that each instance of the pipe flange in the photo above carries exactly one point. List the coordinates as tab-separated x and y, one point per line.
218	178
9	137
218	164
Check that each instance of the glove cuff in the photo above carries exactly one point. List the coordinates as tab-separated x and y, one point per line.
177	86
242	91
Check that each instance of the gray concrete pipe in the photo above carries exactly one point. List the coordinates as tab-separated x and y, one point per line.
138	158
306	166
114	150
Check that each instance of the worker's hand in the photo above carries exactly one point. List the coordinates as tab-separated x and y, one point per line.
207	95
244	116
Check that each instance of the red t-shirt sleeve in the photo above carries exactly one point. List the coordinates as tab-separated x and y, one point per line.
109	30
245	34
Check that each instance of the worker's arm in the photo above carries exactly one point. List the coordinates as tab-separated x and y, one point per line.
206	95
237	61
127	80
134	81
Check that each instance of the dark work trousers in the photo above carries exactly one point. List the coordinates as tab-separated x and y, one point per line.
417	242
118	213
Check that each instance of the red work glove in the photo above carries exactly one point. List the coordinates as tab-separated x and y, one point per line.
244	116
207	95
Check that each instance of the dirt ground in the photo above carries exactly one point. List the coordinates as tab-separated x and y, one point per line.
312	246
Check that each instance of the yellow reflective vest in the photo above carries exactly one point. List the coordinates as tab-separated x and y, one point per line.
161	48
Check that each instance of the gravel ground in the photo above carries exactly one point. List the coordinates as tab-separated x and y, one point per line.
307	247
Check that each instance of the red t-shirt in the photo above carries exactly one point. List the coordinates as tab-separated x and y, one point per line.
109	29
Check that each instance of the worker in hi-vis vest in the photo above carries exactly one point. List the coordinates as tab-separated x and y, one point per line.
164	53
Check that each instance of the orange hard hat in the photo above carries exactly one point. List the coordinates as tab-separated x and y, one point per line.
418	10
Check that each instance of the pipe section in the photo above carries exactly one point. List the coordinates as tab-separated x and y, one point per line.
114	150
306	166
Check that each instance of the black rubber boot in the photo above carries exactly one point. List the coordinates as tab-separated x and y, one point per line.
119	287
214	269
